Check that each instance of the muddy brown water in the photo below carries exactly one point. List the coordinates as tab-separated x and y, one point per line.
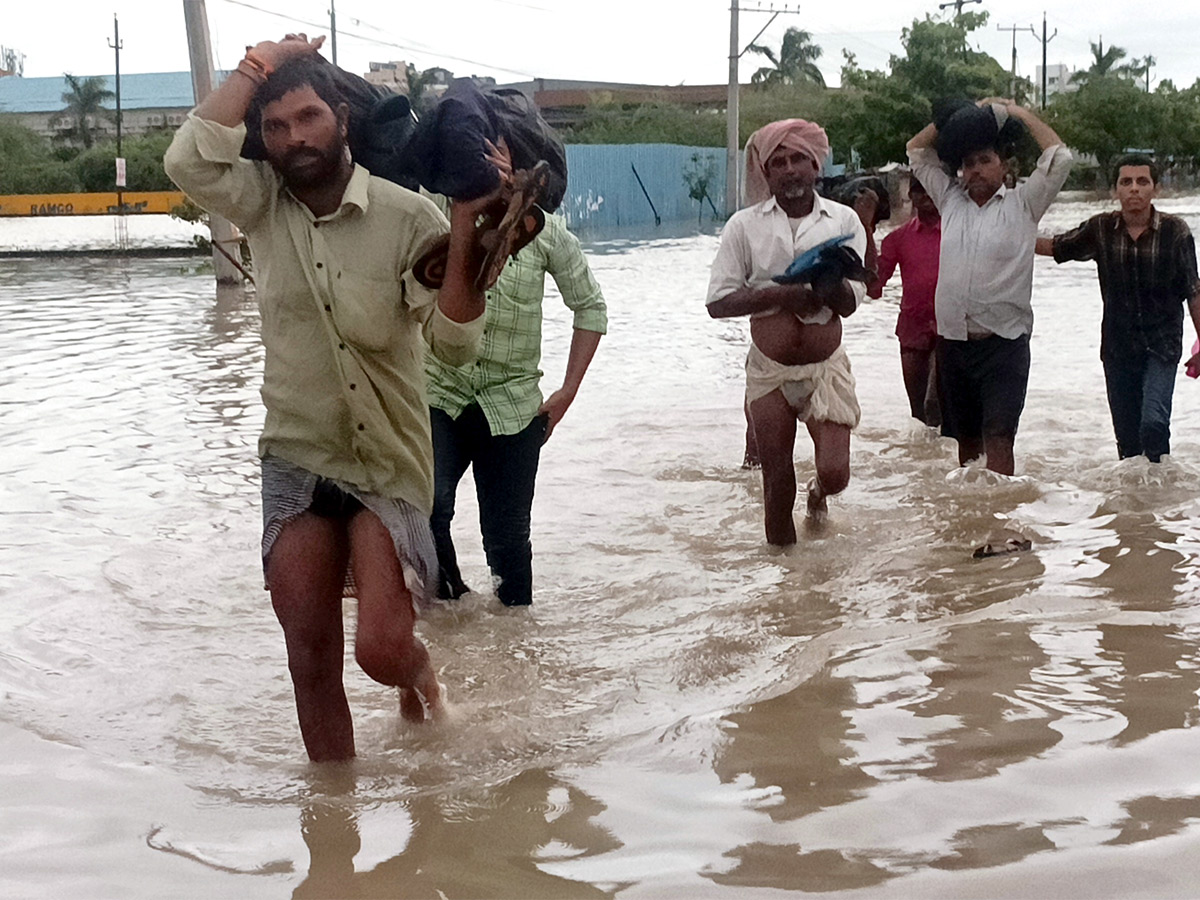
682	713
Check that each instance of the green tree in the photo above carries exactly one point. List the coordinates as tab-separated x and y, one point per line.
28	164
699	175
1106	117
796	62
878	112
143	164
419	95
85	106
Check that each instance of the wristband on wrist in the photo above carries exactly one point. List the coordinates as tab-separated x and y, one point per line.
247	69
259	63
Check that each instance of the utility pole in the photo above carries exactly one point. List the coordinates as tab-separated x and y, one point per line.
1045	41
732	142
333	31
1148	62
1012	77
733	147
195	18
116	45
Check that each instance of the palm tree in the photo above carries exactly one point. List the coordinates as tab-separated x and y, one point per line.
85	106
1104	62
1139	68
796	61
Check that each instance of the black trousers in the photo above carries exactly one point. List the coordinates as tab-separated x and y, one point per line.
505	469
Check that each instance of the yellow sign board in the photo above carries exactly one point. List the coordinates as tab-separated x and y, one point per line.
129	203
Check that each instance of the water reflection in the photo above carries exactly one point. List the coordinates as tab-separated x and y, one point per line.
1157	678
887	705
488	848
1143	568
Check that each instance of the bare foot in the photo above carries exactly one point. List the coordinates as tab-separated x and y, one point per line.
818	509
423	700
411	707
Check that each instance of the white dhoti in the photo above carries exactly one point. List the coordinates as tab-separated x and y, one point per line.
821	391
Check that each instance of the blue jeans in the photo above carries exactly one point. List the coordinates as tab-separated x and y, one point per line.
505	469
1139	396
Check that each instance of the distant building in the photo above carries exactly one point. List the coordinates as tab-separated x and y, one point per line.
563	103
12	62
163	99
149	101
1058	80
391	75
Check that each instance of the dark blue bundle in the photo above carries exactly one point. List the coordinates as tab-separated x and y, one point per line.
447	152
826	263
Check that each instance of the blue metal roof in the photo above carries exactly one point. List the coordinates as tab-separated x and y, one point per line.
143	90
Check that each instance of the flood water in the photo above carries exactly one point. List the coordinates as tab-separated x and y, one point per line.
682	713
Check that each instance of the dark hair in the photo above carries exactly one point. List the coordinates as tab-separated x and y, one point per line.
298	72
913	183
1135	159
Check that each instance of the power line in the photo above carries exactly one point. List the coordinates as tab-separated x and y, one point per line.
408	48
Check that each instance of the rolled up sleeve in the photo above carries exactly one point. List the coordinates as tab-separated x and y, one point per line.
730	266
454	343
1046	180
569	268
928	169
204	160
1079	244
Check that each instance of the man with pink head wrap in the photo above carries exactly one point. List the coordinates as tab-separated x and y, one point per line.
797	369
802	136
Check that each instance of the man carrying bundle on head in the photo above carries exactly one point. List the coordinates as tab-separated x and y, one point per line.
985	281
784	261
347	462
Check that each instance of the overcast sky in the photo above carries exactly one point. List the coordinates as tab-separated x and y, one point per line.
644	41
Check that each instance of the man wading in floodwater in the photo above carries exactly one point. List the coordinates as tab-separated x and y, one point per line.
984	290
796	368
1146	261
347	464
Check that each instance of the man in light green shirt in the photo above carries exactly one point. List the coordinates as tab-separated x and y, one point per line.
490	414
346	456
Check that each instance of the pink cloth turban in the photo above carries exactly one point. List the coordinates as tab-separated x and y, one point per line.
808	138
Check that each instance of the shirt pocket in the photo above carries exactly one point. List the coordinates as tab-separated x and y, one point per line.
366	310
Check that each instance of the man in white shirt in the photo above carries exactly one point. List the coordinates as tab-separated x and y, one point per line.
797	369
985	286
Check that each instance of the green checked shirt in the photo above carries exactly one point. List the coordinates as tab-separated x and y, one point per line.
504	378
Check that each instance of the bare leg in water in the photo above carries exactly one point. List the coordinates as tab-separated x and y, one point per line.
307	571
385	646
775	428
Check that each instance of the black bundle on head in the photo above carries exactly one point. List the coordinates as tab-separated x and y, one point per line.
447	151
965	128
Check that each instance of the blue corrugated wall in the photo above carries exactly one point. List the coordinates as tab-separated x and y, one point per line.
602	191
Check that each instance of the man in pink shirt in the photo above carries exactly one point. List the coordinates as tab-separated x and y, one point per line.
915	246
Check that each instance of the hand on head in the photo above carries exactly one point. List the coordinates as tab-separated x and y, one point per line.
275	53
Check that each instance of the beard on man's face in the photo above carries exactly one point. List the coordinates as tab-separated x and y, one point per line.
305	167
